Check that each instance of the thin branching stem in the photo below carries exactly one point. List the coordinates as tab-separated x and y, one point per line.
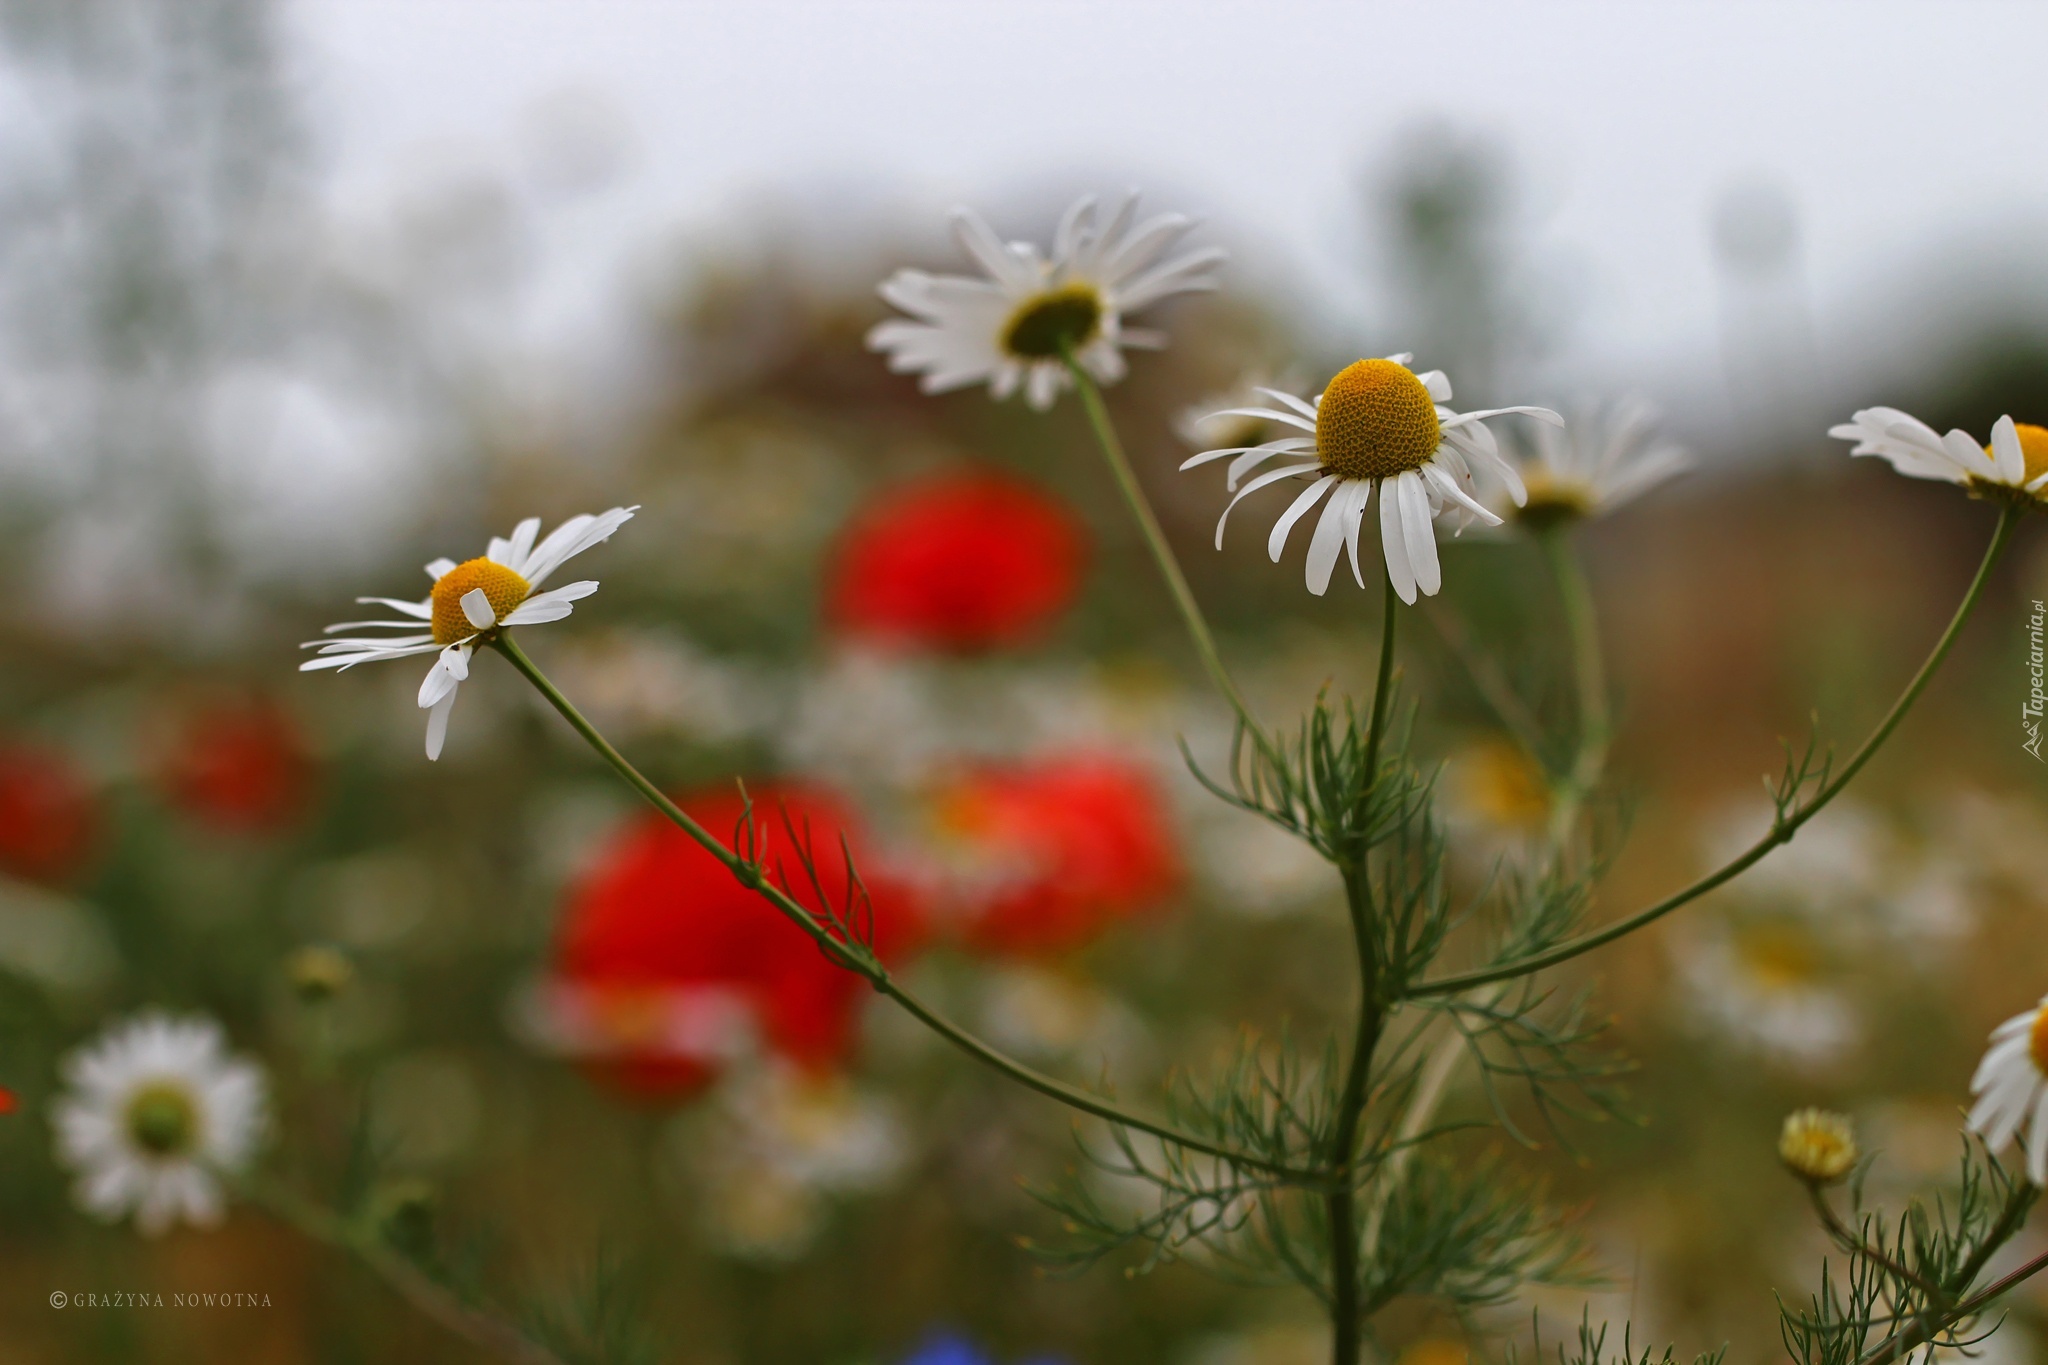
1162	553
753	877
1782	829
1902	1344
476	1325
1341	1203
1846	1238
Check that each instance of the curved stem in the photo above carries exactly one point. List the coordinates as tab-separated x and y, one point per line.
1849	1241
854	960
475	1325
1340	1205
1781	830
1902	1344
1162	552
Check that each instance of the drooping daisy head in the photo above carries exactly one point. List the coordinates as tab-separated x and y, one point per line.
2011	1086
1013	326
2012	468
1378	424
469	604
154	1111
1604	457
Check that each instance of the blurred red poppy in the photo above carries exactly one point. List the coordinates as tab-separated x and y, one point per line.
666	968
241	768
49	815
962	561
1059	848
9	1102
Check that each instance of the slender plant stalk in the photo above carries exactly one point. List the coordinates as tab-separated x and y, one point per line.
476	1325
1162	553
755	880
1781	830
1589	673
1588	766
1340	1204
1486	676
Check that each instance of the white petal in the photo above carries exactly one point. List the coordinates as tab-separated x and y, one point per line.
476	606
439	568
1393	547
521	547
437	725
1351	528
550	606
2012	461
1328	541
1421	536
1296	510
422	610
1438	383
1271	476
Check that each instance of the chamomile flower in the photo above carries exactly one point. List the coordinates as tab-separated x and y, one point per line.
2013	466
1377	425
2011	1086
468	605
1012	328
1603	458
154	1112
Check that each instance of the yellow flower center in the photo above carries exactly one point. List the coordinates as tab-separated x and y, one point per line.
1067	317
2034	447
503	589
1554	500
2037	1041
1779	956
163	1120
1376	420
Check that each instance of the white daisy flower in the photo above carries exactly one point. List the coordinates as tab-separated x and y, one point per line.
2014	465
468	605
1009	329
2011	1086
1377	425
1602	458
156	1111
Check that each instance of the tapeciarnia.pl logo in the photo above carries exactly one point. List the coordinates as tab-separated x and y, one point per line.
2037	699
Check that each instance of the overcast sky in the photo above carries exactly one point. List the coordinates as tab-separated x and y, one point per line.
1905	134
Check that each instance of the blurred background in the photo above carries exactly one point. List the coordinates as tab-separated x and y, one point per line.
297	296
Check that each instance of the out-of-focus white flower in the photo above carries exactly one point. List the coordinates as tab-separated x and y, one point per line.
778	1144
153	1112
2011	1086
469	603
1762	983
1817	1145
1377	425
1049	1015
1011	327
2015	464
1600	459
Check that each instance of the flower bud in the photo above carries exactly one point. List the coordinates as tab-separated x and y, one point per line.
1817	1145
318	972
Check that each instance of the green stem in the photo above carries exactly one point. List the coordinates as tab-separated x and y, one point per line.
1340	1205
1902	1344
1589	672
475	1325
858	961
1849	1241
1781	830
1162	554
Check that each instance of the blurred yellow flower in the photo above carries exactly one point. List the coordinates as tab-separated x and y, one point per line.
1817	1145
